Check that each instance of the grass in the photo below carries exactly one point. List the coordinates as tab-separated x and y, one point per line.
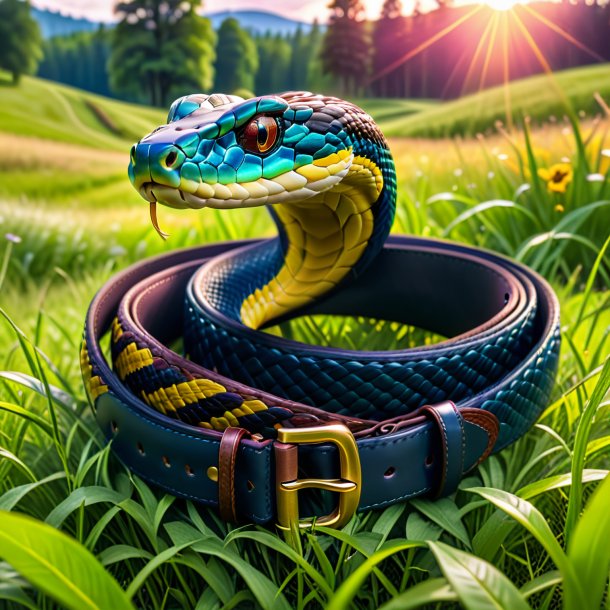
42	109
527	529
538	97
387	110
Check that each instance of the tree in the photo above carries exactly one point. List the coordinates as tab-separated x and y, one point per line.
20	39
161	49
236	58
78	59
388	41
346	47
299	61
317	79
391	9
273	62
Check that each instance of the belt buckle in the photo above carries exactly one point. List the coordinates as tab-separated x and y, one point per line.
348	486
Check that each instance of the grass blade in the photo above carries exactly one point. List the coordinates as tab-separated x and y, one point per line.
433	590
478	584
532	520
581	440
589	551
349	589
58	565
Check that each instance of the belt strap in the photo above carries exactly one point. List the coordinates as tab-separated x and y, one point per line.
452	442
227	456
424	451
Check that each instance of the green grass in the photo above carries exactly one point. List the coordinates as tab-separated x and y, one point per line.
538	97
48	110
386	110
520	514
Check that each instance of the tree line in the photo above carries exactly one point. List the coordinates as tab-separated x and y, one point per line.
161	49
129	63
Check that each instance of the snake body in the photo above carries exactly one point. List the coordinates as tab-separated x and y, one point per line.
320	163
323	168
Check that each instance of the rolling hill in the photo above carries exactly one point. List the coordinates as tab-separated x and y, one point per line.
56	24
538	97
52	111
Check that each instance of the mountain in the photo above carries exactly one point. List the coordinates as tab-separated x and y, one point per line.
56	24
259	22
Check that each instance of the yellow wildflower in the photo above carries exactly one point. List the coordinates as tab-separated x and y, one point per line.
557	177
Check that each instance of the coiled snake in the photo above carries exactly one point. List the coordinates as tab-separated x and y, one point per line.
247	413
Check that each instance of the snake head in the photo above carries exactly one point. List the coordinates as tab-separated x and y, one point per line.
222	151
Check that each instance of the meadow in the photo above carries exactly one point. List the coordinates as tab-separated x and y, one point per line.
528	528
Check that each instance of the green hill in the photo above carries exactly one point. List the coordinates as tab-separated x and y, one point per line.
538	97
56	112
51	111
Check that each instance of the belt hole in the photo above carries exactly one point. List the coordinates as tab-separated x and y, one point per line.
506	297
114	427
429	461
140	448
251	485
189	470
390	472
166	461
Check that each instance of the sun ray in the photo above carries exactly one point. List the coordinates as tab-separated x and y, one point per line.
490	48
478	51
427	43
559	30
541	58
506	73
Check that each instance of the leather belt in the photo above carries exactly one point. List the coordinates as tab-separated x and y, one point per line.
420	420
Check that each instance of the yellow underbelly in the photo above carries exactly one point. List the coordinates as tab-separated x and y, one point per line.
327	234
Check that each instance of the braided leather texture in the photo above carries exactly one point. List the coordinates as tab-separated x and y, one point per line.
176	393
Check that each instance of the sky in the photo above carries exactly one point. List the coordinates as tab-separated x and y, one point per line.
301	10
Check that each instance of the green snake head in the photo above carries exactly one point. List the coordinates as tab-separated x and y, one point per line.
320	160
222	151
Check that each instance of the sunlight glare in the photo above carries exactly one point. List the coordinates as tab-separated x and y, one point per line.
501	5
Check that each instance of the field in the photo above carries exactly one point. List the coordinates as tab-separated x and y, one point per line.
71	219
538	97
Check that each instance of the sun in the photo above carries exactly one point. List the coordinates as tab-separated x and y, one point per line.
501	5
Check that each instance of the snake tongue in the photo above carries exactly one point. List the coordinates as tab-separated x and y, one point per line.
155	223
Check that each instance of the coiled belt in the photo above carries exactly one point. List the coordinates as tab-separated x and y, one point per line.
256	425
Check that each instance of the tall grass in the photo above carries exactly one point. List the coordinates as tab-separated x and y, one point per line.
528	528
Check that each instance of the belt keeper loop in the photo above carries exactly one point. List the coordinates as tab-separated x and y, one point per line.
227	456
450	426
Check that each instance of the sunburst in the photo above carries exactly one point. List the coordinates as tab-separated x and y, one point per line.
503	28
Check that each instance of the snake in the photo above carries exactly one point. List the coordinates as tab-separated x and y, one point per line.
324	170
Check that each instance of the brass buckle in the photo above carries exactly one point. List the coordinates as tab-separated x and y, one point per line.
348	486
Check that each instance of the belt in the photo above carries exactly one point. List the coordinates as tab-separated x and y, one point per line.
262	427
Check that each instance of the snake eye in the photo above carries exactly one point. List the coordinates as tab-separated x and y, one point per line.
260	135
